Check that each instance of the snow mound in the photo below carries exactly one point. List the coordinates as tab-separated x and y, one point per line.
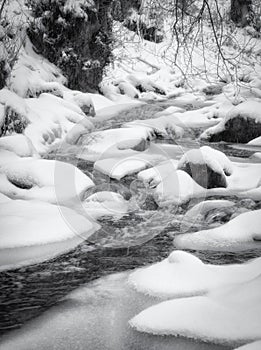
119	167
82	100
47	180
177	187
105	203
240	233
154	175
44	120
26	223
114	142
182	274
19	144
252	346
228	315
255	142
162	126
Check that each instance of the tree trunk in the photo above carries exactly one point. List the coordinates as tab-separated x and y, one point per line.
241	12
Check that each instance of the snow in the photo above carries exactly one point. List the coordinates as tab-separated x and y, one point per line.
240	233
154	175
19	144
173	121
112	142
169	184
47	180
177	188
26	223
119	167
228	315
252	346
105	203
33	74
183	274
255	142
216	160
162	126
34	231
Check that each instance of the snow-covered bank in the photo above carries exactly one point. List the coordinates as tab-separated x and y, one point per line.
227	315
33	231
182	274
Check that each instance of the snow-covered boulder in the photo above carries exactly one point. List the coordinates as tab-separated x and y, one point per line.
177	187
27	223
33	231
19	144
82	100
240	233
208	167
183	274
241	124
119	167
105	203
228	315
47	180
113	142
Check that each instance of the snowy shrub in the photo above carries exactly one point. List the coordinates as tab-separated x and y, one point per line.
76	36
14	122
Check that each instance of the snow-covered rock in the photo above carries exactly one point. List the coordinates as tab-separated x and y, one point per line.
208	167
47	180
82	100
44	120
105	203
113	142
119	167
241	124
240	233
162	126
183	274
33	231
177	187
228	315
19	144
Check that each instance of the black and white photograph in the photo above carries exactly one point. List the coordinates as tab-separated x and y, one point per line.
130	175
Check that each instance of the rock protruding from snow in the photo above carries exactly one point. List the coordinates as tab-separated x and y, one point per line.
241	124
208	167
241	233
183	274
227	315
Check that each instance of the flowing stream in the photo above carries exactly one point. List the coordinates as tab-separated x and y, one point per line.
137	239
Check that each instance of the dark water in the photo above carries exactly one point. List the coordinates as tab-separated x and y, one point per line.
26	292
